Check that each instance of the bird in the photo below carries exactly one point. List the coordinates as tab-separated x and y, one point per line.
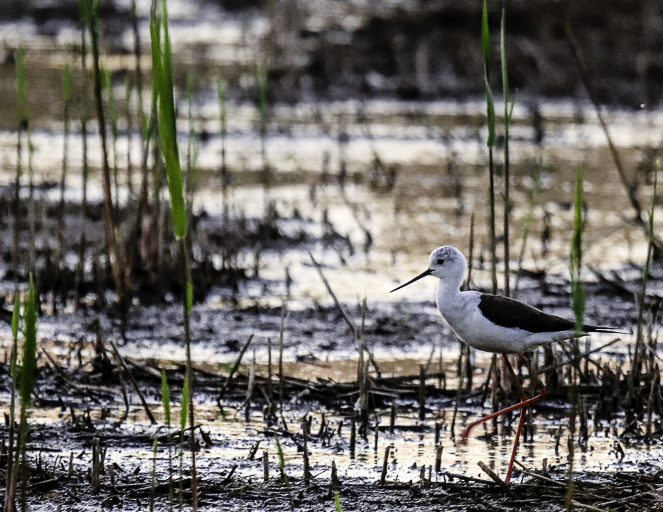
494	323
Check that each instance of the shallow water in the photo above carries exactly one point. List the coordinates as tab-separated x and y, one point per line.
233	437
384	232
436	150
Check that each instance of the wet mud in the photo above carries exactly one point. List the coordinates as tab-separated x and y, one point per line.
85	403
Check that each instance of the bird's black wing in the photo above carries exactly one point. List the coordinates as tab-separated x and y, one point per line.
515	314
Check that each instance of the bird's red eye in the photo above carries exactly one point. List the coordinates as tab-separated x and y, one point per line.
440	261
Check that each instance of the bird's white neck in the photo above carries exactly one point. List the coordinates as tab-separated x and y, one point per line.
447	291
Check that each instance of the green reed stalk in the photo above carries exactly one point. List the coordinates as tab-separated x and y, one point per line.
155	450
527	224
221	91
262	82
116	258
337	502
578	304
575	261
651	237
138	74
145	133
490	115
66	96
165	400
184	404
24	120
112	111
31	204
507	121
189	146
83	15
12	464
26	379
192	147
163	84
279	449
22	125
128	94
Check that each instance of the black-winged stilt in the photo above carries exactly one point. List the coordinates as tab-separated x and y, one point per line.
494	324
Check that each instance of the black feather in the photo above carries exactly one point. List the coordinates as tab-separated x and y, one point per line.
512	313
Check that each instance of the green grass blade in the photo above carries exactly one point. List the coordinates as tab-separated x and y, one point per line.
490	113
184	412
279	450
83	12
16	314
490	105
189	295
163	84
221	91
263	88
505	75
29	363
108	85
21	86
485	40
165	397
575	263
653	204
66	83
337	502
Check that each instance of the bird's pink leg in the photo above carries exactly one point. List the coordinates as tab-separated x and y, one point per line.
523	405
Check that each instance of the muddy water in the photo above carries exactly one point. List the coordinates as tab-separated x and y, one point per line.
440	183
393	178
374	186
412	445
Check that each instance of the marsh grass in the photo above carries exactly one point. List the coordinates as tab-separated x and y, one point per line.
91	15
279	449
26	379
128	95
630	186
113	115
155	450
527	223
12	466
490	117
193	147
163	87
184	413
223	114
578	297
66	97
508	111
165	400
638	355
83	16
262	84
578	300
337	502
22	101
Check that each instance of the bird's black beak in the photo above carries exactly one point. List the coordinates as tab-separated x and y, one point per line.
423	274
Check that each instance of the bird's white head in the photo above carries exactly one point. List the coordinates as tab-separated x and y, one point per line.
446	263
